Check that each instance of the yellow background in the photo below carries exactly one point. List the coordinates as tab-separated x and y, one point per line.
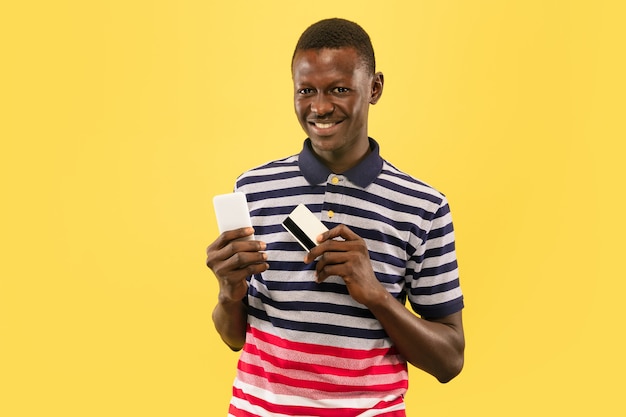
119	120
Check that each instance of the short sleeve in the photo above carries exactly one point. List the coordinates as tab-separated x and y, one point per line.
432	271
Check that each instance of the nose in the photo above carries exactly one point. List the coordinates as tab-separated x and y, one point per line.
321	105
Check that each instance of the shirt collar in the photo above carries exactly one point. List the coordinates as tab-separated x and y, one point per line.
362	174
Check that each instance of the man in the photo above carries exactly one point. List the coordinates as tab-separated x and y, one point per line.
327	332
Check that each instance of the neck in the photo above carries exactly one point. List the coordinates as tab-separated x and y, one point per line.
339	162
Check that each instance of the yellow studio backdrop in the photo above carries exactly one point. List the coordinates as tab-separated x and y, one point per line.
119	120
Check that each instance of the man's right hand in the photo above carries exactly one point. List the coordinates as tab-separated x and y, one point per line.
232	260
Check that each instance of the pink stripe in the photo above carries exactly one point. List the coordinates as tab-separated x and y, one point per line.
396	413
306	385
387	357
302	364
310	393
232	410
320	349
298	410
325	386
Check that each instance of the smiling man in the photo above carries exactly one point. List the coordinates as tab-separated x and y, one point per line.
333	91
328	333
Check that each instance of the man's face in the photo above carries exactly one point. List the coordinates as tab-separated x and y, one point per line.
332	94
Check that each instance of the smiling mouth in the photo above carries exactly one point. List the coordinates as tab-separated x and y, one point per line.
324	125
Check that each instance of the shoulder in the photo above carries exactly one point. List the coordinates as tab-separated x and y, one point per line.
269	170
410	189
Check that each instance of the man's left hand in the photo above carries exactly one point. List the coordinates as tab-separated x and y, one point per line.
349	259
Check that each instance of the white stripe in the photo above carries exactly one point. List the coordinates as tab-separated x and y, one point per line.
425	282
438	298
407	181
439	260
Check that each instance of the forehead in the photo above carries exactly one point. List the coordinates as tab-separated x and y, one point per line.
311	64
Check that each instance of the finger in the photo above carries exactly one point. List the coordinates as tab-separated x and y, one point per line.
237	246
241	260
341	231
225	238
242	274
330	258
217	254
235	234
313	254
330	245
241	265
325	270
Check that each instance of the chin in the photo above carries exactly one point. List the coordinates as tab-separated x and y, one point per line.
324	143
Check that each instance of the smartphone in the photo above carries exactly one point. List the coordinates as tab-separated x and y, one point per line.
304	226
232	212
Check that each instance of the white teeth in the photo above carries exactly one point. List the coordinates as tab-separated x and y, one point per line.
324	125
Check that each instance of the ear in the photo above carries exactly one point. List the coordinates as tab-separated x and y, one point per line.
377	87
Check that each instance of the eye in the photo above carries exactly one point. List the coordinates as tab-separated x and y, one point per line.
340	90
305	91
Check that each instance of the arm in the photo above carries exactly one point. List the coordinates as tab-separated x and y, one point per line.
435	346
233	261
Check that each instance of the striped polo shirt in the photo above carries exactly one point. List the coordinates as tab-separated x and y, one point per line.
310	349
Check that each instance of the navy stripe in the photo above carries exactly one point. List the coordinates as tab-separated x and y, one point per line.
387	258
435	252
322	328
438	310
438	270
397	173
435	233
380	236
283	192
346	310
409	192
440	251
436	289
253	179
261	230
290	246
294	267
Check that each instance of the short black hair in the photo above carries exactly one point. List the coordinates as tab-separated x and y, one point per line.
338	33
